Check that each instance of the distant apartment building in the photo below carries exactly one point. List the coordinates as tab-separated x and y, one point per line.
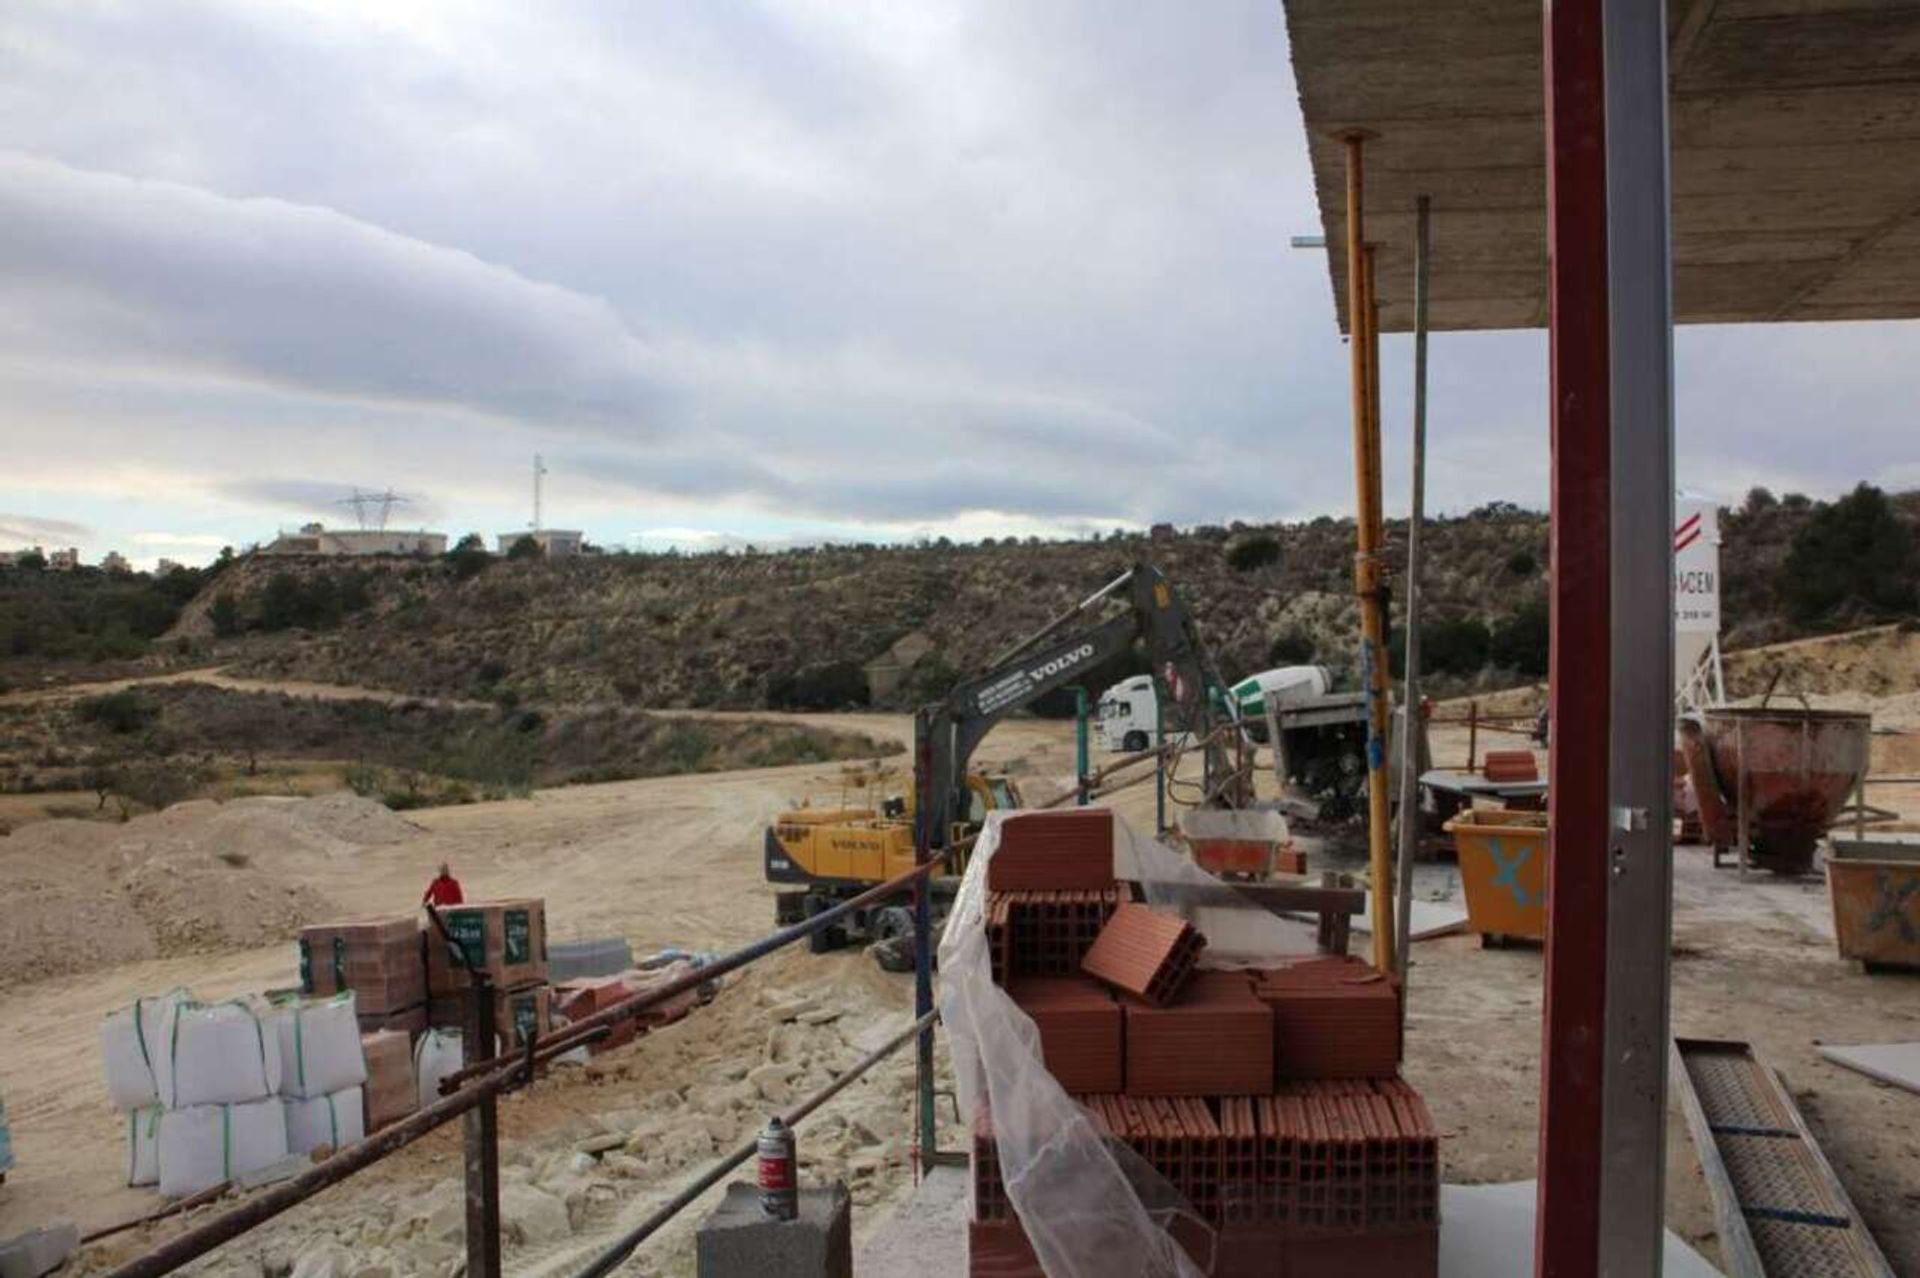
114	561
12	558
313	539
64	560
554	543
164	566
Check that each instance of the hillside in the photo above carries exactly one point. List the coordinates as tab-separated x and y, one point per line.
800	629
888	626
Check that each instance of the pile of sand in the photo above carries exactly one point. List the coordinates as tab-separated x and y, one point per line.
198	877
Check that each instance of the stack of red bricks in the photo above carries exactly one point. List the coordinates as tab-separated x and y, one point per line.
1269	1100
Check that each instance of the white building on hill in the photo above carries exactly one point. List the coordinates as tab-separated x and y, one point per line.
313	539
555	543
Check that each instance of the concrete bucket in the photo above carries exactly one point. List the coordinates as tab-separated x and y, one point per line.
1777	777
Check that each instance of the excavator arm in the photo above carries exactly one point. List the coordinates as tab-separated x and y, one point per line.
947	732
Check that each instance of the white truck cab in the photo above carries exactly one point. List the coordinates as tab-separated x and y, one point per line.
1128	713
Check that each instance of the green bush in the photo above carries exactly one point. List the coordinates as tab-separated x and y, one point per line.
526	548
1455	645
1520	639
1260	550
837	685
224	614
469	557
1291	648
122	712
1521	563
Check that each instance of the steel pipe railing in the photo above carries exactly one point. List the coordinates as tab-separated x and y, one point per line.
610	1259
228	1225
611	1016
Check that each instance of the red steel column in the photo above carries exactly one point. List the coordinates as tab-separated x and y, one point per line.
1572	1057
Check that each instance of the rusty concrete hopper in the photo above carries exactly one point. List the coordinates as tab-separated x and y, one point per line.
1774	779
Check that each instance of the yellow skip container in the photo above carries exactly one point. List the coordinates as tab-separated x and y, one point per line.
1503	867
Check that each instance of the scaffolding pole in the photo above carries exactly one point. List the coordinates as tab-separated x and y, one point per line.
1369	577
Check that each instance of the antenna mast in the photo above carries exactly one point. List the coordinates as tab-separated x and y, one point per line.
539	469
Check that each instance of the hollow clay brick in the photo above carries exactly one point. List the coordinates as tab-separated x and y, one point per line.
1145	954
1054	851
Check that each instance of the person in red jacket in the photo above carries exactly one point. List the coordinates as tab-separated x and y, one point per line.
444	890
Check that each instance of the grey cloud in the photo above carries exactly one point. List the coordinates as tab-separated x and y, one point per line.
808	260
327	501
35	528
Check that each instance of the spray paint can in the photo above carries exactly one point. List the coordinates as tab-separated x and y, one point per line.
779	1185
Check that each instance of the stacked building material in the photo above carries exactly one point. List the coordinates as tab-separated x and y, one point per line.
1048	933
223	1116
1333	1017
1145	954
1179	1138
1080	1030
507	939
379	958
580	998
1069	851
390	1090
1215	1038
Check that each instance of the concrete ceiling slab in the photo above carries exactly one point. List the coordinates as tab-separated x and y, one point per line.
1796	154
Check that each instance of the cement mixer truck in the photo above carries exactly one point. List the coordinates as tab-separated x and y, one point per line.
1323	733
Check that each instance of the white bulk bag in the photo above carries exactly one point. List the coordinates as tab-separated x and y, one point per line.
319	1047
133	1046
203	1145
435	1056
221	1054
143	1145
336	1120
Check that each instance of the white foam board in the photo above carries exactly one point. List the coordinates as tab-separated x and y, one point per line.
1896	1063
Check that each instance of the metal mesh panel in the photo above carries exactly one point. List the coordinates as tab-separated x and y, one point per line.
1808	1251
1732	1092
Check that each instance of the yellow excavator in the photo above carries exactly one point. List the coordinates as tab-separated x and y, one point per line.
829	855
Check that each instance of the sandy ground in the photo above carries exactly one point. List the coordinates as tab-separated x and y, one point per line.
677	861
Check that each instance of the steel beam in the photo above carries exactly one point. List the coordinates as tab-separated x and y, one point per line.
1640	751
1610	901
1567	1242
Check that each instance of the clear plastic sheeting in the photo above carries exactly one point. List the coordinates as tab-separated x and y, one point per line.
1091	1207
1239	933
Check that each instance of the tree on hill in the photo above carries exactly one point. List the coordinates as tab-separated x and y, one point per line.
469	556
526	548
1853	560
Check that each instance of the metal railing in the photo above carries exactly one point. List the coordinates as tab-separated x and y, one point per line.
478	1084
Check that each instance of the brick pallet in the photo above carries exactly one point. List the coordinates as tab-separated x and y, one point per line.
507	938
378	958
1267	1100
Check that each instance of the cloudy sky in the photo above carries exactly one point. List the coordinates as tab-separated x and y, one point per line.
763	270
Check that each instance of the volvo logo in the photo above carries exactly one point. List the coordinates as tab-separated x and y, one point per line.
1065	661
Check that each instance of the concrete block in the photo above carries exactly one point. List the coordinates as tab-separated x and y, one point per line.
38	1251
739	1240
600	956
